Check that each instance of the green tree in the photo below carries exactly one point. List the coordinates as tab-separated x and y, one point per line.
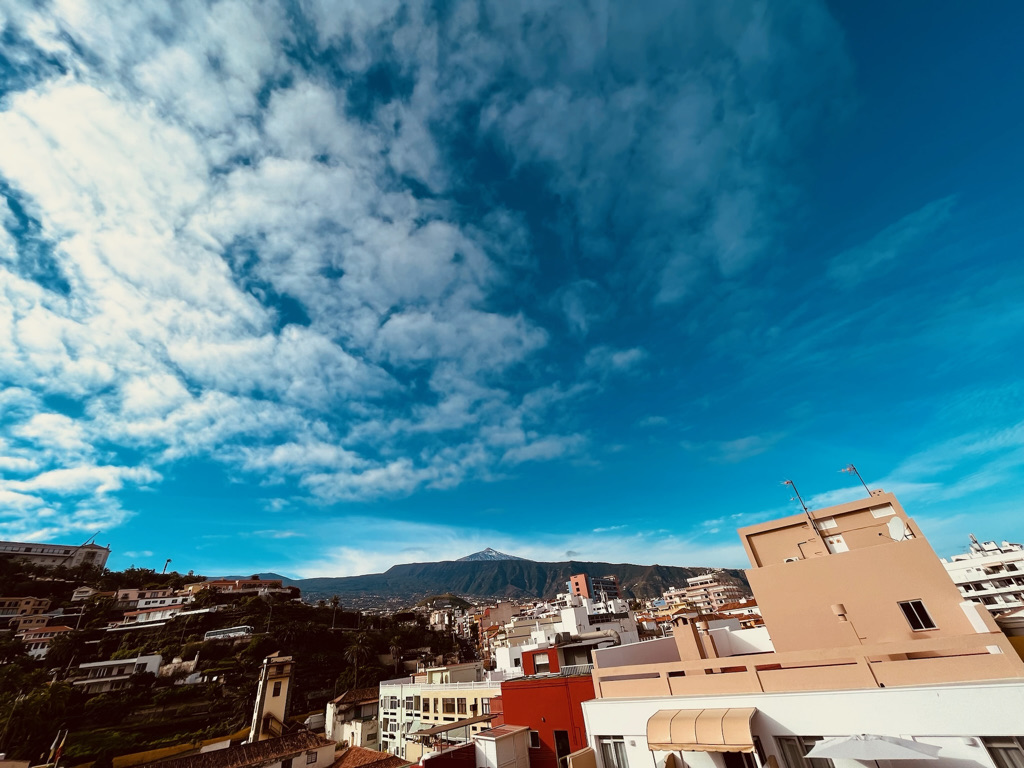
358	651
64	651
11	649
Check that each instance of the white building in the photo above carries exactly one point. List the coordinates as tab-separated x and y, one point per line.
710	591
443	705
575	624
150	617
37	639
991	574
957	719
351	719
113	675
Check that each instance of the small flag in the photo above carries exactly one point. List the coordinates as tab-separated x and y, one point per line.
53	747
60	749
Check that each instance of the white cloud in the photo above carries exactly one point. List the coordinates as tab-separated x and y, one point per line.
872	258
733	451
240	269
608	360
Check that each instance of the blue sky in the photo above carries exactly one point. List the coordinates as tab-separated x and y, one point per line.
320	287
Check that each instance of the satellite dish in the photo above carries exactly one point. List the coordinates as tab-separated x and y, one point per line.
897	529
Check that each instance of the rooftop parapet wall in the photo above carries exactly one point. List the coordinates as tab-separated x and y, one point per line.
939	660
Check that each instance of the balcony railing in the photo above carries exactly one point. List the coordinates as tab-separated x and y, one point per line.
576	669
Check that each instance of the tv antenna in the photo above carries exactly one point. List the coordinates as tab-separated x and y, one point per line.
797	496
852	470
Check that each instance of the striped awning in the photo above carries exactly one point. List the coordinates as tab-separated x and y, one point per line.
701	730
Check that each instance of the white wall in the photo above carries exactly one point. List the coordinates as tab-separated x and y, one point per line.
662	650
736	642
946	716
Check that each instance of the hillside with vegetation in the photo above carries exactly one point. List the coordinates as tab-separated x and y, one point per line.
334	650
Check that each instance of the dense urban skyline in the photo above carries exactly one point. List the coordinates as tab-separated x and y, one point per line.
318	288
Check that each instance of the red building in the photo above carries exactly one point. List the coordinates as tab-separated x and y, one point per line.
551	708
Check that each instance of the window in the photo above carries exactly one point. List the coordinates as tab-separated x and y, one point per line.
277	688
917	616
449	706
436	710
613	751
1006	752
394	702
426	706
286	763
462	706
311	757
485	706
534	740
408	702
541	664
794	749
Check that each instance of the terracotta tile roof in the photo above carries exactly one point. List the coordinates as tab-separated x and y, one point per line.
360	757
245	755
356	695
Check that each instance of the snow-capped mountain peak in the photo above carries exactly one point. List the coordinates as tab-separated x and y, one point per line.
489	554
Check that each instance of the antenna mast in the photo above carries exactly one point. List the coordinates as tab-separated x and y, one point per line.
852	470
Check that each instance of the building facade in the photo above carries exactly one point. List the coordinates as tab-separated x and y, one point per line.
53	555
710	591
435	709
552	708
113	675
351	719
991	574
596	588
14	607
864	634
37	639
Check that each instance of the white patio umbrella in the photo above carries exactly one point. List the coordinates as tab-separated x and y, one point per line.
866	746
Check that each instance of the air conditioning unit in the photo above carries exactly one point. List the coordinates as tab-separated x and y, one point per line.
791	560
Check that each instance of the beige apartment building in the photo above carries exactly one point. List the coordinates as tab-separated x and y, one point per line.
710	591
864	634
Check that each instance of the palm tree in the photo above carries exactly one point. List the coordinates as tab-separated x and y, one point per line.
358	650
335	602
395	649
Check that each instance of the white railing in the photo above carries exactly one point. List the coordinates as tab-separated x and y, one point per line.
428	687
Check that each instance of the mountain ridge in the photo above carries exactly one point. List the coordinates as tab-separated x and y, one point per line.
484	579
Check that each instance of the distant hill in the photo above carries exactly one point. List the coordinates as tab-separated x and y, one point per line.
498	579
285	580
487	554
440	601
